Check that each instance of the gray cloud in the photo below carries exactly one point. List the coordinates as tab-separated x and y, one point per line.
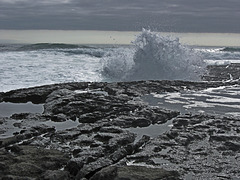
162	15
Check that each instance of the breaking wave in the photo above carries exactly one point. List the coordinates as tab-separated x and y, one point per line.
70	49
154	57
231	49
40	46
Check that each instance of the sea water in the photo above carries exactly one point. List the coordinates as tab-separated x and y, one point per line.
150	56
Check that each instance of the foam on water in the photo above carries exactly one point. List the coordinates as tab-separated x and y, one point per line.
221	100
154	57
20	69
118	64
220	56
150	56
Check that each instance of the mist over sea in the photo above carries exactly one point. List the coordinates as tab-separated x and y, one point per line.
138	56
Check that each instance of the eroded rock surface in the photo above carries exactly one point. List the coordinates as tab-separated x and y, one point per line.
133	173
28	162
85	132
197	146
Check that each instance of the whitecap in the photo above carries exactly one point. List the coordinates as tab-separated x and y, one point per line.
154	56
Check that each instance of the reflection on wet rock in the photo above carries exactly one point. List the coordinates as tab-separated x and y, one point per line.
132	130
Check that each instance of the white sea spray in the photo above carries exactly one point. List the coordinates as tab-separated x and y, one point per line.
118	64
154	57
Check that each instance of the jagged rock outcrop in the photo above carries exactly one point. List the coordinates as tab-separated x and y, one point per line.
87	131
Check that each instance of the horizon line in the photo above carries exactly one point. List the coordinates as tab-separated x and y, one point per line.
111	37
133	31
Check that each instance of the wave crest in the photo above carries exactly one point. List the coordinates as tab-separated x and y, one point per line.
118	64
231	49
155	57
40	46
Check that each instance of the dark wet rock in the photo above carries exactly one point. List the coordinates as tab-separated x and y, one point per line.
56	174
134	173
14	148
59	118
88	161
7	141
224	137
12	177
30	163
144	139
121	110
30	117
17	124
40	94
103	137
26	134
26	169
20	116
121	153
120	140
74	165
103	115
89	169
180	122
111	129
233	146
189	147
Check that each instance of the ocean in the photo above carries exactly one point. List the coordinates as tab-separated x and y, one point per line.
149	56
90	120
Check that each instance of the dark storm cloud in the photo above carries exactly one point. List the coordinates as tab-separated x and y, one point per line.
162	15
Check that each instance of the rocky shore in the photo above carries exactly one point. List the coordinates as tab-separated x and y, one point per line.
89	131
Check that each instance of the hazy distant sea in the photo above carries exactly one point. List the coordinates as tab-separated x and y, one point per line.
150	56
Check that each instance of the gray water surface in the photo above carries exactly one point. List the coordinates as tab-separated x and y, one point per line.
7	109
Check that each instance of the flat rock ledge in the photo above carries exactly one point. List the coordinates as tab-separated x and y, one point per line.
85	132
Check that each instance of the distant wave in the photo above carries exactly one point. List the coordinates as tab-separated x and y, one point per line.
40	46
231	49
86	51
70	49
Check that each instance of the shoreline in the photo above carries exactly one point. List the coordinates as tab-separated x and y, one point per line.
102	143
100	130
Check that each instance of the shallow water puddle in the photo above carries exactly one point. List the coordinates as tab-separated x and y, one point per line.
62	125
7	128
153	130
95	91
223	100
7	109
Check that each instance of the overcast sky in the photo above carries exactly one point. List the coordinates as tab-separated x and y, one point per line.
123	15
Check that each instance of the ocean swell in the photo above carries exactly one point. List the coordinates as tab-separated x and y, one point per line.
40	46
154	57
231	49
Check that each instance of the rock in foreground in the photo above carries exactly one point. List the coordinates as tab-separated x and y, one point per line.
87	131
133	173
